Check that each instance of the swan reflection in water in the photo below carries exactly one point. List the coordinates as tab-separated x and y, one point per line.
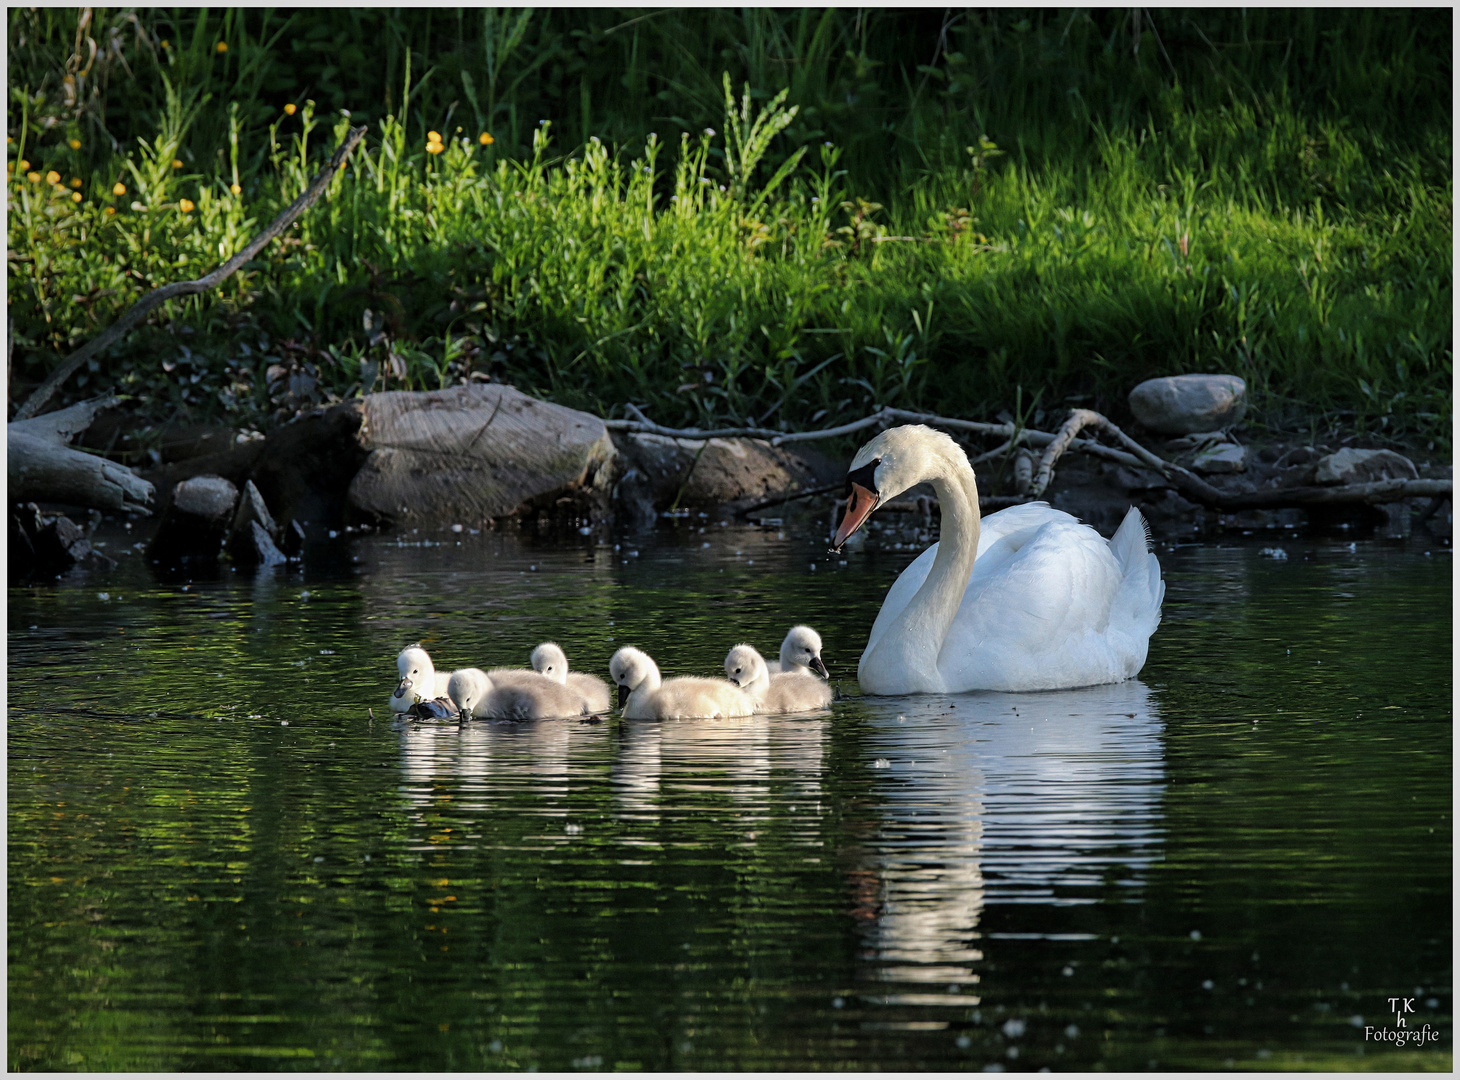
989	798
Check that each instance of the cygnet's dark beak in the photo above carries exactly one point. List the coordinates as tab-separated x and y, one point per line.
403	688
820	667
623	695
862	499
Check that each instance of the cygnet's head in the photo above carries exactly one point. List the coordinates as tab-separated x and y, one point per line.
467	687
417	674
550	661
890	464
743	666
802	648
630	668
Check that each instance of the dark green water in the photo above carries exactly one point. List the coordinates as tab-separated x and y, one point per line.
217	860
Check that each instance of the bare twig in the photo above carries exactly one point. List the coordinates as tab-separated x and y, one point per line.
189	288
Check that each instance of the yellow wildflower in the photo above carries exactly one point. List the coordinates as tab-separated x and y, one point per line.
222	47
485	138
53	177
289	109
24	164
75	196
235	189
119	188
433	136
165	44
75	144
76	181
176	164
185	205
111	211
33	177
434	148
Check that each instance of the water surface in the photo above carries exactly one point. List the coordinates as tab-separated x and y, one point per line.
220	859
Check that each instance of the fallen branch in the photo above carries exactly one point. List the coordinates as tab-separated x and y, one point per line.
189	288
1131	454
40	467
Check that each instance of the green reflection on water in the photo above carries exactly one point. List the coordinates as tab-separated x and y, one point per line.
218	860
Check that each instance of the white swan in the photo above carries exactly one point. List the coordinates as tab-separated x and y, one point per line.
644	695
782	692
549	661
477	694
419	679
800	651
1049	603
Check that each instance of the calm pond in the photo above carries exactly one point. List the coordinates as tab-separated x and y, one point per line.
219	860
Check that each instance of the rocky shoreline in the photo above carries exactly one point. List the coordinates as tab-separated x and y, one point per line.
489	456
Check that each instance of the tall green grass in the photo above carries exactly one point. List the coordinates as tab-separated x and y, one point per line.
1047	204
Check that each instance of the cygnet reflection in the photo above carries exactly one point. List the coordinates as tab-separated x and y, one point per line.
678	761
997	798
483	765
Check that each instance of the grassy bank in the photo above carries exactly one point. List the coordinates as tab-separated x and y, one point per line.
1163	215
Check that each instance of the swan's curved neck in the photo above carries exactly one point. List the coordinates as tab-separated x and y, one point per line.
923	625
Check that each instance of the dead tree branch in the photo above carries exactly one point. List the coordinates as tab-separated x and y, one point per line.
1131	454
164	293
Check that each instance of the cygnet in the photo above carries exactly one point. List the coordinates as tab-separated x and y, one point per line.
549	661
782	692
419	679
477	694
801	651
644	695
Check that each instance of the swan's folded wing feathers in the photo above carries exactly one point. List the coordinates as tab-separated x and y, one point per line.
1041	591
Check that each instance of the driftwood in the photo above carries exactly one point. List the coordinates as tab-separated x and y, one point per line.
1130	453
188	288
42	468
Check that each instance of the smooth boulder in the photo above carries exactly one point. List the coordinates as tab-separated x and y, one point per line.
196	521
662	472
1354	466
469	454
1187	404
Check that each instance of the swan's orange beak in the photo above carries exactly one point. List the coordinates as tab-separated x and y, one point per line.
860	504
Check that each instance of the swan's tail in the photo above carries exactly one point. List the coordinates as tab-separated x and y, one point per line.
1137	606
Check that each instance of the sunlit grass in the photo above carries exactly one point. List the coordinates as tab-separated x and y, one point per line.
1311	256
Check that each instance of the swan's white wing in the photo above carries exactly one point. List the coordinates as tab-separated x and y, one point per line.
1036	613
996	529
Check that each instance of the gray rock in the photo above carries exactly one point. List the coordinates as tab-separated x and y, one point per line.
1183	404
44	545
196	521
251	507
1221	457
733	474
253	537
253	546
209	497
471	453
1351	466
